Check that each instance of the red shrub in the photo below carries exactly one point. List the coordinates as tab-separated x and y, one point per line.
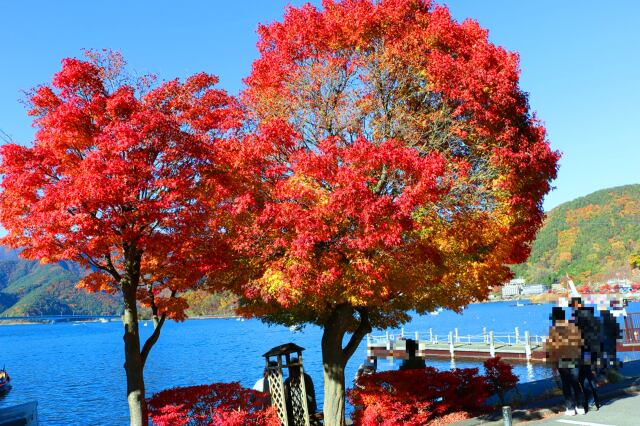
499	377
219	404
417	397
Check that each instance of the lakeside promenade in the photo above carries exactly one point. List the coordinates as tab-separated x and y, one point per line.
541	403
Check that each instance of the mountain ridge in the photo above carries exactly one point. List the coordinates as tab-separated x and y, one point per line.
589	238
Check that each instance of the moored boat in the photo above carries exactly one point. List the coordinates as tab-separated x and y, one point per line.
5	381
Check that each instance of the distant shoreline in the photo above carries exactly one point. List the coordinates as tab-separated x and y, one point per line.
41	321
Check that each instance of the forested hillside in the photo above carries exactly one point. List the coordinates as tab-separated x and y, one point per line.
29	288
588	237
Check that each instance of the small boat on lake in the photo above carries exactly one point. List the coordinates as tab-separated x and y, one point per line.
295	328
5	381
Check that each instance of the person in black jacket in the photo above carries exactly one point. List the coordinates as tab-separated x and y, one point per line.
590	328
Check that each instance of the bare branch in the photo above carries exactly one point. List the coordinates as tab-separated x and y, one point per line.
5	137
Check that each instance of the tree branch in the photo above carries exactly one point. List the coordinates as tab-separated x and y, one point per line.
157	327
111	268
383	179
363	328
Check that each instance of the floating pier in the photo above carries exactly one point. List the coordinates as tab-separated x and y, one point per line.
509	346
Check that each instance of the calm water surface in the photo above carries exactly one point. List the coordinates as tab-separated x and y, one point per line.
75	371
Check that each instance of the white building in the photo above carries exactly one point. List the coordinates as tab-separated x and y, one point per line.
513	288
532	289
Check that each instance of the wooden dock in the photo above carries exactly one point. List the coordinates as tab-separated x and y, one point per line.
509	346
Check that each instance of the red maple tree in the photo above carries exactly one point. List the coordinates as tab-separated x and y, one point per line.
112	182
397	166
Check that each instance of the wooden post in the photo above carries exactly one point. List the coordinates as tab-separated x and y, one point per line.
484	335
388	341
431	335
492	348
451	343
402	332
368	339
527	345
517	335
417	336
457	335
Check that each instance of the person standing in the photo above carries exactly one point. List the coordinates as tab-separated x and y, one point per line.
563	349
589	326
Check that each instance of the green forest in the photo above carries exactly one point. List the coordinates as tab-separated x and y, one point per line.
587	238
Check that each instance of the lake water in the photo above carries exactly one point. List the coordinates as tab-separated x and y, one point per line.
75	371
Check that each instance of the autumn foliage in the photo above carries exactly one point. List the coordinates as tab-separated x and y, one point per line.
403	163
219	404
114	167
114	182
418	396
428	396
382	159
404	169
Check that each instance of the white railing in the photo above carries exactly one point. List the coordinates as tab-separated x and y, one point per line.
502	339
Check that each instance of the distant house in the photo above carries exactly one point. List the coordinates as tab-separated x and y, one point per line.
513	287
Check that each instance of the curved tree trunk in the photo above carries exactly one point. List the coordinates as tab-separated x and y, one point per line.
335	358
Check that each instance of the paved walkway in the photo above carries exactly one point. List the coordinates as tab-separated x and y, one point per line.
621	404
621	411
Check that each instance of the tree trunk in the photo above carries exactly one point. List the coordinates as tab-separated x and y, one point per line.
335	357
333	364
133	364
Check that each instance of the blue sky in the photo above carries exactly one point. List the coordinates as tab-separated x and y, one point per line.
580	63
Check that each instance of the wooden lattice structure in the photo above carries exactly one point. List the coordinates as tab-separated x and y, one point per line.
277	359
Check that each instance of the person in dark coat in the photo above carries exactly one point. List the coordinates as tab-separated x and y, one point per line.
609	334
590	329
